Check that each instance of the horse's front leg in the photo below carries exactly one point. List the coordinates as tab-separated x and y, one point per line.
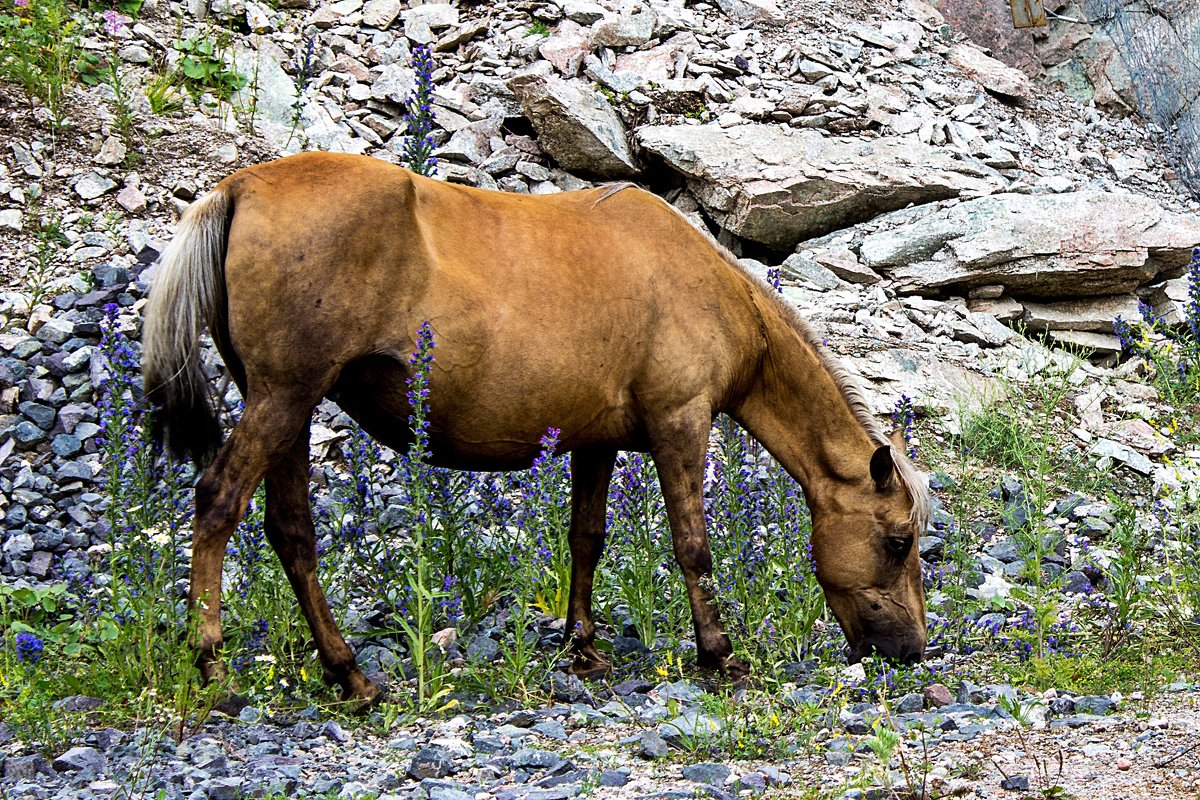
679	445
591	473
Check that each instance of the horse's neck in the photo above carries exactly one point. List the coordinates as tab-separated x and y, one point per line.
797	410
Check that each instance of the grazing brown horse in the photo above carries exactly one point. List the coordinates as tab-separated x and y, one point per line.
602	313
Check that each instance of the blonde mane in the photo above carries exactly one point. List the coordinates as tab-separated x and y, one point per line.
911	478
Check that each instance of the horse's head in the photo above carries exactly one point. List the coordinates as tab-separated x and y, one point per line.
865	545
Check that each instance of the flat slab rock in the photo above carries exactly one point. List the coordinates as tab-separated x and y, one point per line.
778	186
1050	246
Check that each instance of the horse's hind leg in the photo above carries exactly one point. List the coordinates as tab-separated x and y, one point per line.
591	472
678	445
267	429
289	528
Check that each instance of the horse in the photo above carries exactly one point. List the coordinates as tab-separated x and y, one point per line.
601	312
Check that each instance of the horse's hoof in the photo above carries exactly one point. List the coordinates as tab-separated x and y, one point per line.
589	669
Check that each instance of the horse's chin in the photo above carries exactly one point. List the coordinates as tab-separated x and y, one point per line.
889	653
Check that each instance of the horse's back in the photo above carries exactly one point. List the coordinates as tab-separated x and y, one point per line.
575	309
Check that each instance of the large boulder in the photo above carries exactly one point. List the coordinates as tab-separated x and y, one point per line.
1048	246
575	125
778	186
995	76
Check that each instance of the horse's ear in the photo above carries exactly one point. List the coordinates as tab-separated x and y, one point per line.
883	467
896	437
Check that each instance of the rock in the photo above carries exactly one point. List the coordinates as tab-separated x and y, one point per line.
651	745
1091	344
632	27
990	25
272	92
995	76
1107	448
1015	783
690	727
566	47
12	219
1049	246
380	13
1089	314
575	125
222	788
533	758
1075	582
420	22
746	12
18	547
1169	300
937	695
803	268
632	686
94	185
910	703
112	152
1096	705
25	768
779	186
40	414
27	435
78	759
706	772
431	762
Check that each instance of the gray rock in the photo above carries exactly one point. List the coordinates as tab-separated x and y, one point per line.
995	76
1096	705
613	778
910	703
651	745
780	186
380	13
26	768
66	445
431	762
40	414
1067	245
56	330
689	727
533	758
79	759
18	547
94	185
1106	448
223	788
745	12
707	772
575	125
632	27
1075	582
1090	314
1015	783
802	268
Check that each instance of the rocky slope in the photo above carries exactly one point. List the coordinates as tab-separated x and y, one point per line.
920	199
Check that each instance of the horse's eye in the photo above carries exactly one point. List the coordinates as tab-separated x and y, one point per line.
898	545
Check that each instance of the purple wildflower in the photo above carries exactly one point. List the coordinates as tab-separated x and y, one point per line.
29	647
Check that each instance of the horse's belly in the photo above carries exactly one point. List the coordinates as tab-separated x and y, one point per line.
488	421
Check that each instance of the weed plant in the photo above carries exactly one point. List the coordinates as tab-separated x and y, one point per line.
1171	351
205	65
39	46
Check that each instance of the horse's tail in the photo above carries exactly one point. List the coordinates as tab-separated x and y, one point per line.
188	294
